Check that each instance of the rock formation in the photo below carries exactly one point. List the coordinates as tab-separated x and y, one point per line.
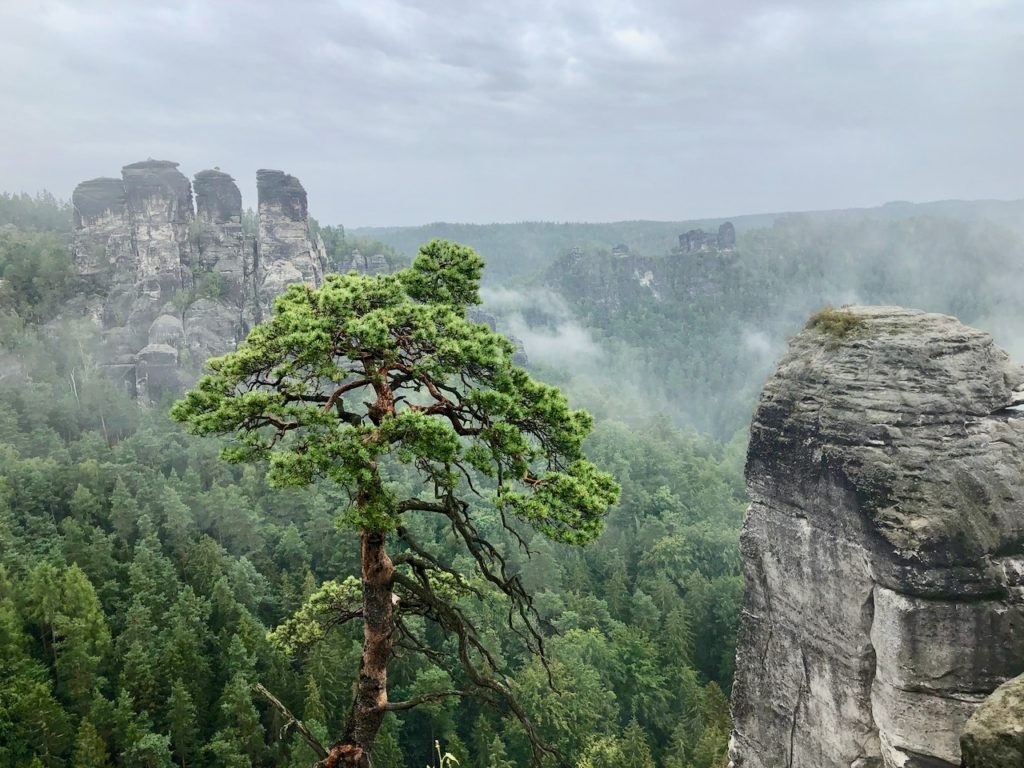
994	736
884	545
697	240
285	253
377	264
175	284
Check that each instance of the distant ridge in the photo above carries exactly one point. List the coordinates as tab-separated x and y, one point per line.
519	251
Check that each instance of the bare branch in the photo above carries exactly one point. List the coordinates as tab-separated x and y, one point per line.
394	706
292	721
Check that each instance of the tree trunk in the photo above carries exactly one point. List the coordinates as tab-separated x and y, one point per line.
371	693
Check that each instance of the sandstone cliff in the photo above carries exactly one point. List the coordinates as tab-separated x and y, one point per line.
172	283
884	545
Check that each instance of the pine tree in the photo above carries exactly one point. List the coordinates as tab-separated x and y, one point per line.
366	380
90	749
497	756
42	600
387	751
181	723
677	640
184	644
240	734
83	639
124	513
178	523
149	750
636	751
313	709
481	740
139	675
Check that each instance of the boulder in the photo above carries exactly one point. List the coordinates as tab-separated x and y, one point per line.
994	736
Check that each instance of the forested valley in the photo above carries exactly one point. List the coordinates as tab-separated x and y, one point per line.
141	579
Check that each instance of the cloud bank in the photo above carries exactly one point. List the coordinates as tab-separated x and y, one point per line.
407	111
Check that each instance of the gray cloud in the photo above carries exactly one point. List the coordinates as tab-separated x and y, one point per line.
409	111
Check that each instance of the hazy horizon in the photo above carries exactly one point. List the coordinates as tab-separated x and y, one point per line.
398	113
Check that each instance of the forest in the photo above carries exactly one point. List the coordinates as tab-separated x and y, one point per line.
141	579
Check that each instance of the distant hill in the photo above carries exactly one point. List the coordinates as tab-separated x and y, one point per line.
518	252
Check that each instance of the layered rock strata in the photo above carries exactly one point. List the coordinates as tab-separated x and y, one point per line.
174	283
884	545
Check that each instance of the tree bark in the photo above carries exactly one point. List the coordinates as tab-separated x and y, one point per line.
369	704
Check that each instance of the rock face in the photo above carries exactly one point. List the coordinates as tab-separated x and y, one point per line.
285	253
884	545
697	240
994	736
175	284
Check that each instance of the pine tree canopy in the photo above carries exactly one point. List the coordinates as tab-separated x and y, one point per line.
367	369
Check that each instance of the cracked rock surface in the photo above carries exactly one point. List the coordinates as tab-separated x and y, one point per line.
884	545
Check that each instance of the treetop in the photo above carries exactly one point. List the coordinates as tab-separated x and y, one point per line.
350	380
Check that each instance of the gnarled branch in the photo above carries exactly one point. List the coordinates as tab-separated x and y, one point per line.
292	721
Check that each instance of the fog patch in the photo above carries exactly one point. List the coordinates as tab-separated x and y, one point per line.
567	344
542	320
760	345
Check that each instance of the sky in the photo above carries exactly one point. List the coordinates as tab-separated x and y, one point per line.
413	111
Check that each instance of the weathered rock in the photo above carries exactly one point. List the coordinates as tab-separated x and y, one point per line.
170	278
103	235
727	236
157	372
167	329
378	265
697	240
224	253
160	206
884	545
286	251
994	736
210	328
358	262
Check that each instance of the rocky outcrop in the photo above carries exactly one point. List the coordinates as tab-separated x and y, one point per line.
285	253
884	545
377	264
994	736
174	284
697	240
223	249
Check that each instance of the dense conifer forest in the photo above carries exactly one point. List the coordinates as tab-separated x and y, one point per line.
141	579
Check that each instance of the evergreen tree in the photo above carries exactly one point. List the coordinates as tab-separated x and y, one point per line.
181	723
636	752
83	639
239	737
90	749
387	751
149	750
368	378
313	709
124	513
496	755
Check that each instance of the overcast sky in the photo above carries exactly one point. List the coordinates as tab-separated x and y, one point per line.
405	112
